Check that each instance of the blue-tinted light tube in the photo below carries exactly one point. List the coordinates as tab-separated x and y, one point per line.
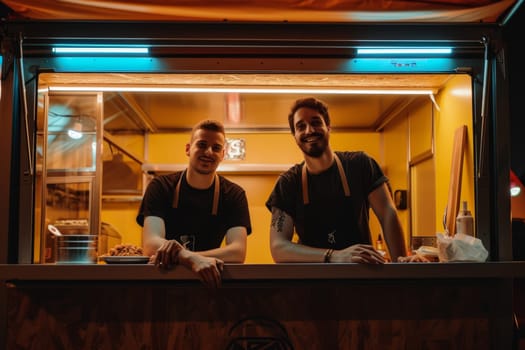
144	50
405	50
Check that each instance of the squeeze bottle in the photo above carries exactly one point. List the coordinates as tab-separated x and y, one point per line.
465	221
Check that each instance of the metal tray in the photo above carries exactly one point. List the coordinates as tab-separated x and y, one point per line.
125	259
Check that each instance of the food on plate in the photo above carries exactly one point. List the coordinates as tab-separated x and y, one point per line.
125	250
431	253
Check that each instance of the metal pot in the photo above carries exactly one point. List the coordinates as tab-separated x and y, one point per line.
76	249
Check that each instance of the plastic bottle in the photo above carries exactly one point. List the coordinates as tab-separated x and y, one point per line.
465	221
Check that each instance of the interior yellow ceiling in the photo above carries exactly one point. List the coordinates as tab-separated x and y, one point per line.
162	112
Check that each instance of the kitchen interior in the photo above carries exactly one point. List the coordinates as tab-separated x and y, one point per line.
102	137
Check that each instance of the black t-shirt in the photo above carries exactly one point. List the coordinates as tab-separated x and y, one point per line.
192	223
363	175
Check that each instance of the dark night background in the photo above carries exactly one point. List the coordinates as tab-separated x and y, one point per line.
516	57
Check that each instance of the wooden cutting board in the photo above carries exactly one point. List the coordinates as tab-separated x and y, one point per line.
456	171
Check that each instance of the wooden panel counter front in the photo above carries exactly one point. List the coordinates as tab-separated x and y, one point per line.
281	306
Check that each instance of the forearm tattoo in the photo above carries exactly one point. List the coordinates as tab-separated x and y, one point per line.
278	220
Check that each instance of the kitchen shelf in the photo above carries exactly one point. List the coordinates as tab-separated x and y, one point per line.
120	198
224	168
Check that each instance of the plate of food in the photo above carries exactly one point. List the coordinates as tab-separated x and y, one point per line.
129	259
125	254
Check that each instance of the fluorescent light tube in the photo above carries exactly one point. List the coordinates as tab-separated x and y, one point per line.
254	90
404	50
101	49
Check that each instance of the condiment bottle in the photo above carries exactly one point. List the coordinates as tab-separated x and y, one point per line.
465	221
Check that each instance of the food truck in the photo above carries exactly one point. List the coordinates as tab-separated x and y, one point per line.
98	100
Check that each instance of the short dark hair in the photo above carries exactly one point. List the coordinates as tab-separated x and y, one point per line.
209	124
312	103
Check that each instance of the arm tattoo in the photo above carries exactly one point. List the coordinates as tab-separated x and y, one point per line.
278	220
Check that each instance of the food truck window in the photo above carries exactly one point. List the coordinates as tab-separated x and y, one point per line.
408	132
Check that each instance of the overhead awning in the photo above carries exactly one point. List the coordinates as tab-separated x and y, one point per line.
341	11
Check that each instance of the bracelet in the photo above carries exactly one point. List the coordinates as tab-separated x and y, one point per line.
328	255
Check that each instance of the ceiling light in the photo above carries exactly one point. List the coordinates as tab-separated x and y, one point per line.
233	108
403	50
101	49
254	90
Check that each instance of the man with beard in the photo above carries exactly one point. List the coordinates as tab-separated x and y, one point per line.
327	198
187	214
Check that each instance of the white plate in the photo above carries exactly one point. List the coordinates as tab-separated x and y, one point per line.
125	259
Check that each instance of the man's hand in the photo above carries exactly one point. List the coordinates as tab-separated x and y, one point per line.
358	253
412	258
208	269
171	253
167	255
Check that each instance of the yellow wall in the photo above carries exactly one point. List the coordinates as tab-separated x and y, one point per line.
395	144
121	216
421	172
410	135
455	109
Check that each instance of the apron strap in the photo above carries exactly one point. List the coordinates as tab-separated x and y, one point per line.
175	203
216	191
342	176
304	178
215	196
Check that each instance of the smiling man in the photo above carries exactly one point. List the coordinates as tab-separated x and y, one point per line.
187	214
326	199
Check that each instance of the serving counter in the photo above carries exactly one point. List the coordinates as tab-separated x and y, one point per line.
271	306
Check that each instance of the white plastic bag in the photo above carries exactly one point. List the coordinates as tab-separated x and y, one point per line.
461	247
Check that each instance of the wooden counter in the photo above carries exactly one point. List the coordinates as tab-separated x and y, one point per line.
288	306
261	272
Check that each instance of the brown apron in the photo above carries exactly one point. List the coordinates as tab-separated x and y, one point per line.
190	229
175	203
342	175
328	224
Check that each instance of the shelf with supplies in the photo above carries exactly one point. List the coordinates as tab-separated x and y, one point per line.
121	198
224	168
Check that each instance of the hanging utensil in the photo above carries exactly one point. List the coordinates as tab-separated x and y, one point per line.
54	230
